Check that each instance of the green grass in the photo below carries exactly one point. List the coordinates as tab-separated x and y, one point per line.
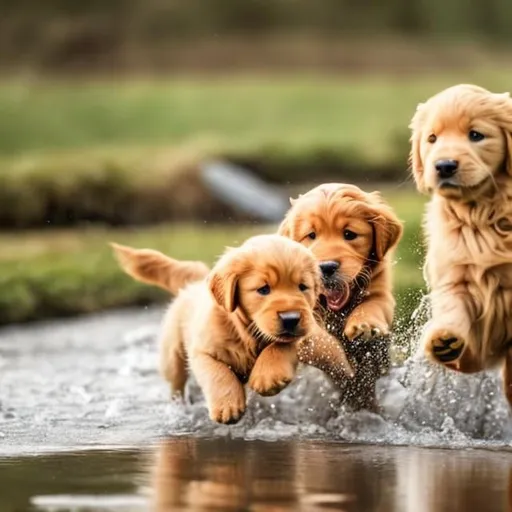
363	116
59	273
237	114
53	273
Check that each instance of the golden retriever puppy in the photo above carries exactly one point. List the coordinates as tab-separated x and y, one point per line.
241	324
351	234
461	154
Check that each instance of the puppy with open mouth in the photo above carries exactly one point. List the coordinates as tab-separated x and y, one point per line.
242	322
351	234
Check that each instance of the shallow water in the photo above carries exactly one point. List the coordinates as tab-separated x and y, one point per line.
92	383
226	474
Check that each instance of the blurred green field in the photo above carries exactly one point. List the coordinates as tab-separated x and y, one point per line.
52	273
127	152
363	117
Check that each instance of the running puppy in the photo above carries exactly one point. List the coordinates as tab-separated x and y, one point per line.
243	323
351	234
461	155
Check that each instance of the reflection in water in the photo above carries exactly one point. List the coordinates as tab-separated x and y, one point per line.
228	475
236	475
239	475
442	481
188	474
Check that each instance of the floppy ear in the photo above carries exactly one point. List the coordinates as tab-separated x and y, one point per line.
223	280
144	265
415	161
388	230
504	110
319	285
508	158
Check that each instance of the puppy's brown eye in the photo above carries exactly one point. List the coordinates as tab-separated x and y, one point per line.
312	235
303	287
349	235
432	138
264	290
475	136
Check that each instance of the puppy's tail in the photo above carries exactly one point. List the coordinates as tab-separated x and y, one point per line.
154	267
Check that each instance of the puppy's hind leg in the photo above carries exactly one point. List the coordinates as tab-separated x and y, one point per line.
173	357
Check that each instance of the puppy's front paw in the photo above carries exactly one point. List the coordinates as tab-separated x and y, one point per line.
443	346
271	380
228	410
368	330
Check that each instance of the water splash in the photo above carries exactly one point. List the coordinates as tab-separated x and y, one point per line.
94	381
421	404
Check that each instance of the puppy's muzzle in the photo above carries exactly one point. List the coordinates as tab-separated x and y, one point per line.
329	269
336	291
446	170
290	321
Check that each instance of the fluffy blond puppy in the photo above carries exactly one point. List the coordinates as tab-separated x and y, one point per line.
241	324
461	154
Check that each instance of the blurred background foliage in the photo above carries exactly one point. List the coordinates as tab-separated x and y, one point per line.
108	108
63	35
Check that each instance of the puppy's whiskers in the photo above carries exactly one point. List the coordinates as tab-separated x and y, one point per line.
318	316
364	278
261	338
253	330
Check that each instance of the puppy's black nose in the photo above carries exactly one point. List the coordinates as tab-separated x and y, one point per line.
289	321
446	168
329	268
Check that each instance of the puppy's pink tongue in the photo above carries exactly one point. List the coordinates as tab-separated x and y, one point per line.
336	299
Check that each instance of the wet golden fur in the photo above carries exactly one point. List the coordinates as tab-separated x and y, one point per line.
153	267
362	324
224	330
366	270
328	211
468	225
